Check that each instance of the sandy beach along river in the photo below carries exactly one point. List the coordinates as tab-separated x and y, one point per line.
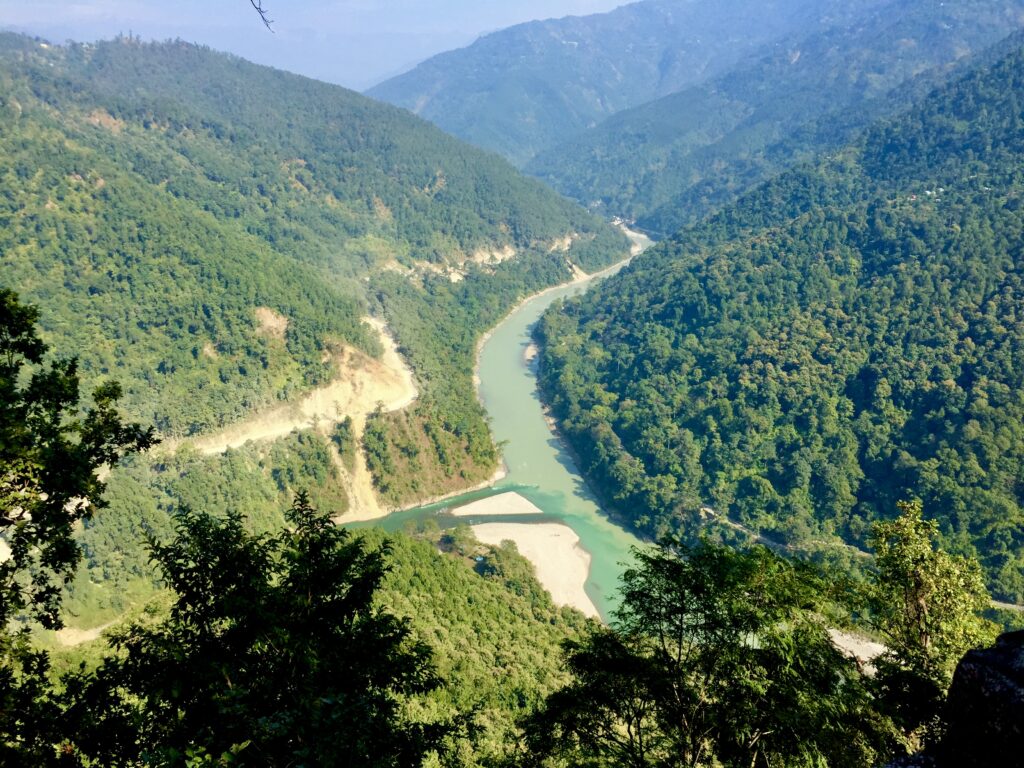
578	553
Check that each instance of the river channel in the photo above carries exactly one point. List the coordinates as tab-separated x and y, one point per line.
538	466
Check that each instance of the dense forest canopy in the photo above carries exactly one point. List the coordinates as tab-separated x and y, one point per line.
846	336
211	233
156	195
788	372
670	161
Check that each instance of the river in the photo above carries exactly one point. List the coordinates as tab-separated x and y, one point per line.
538	466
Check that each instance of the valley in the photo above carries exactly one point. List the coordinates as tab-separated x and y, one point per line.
537	467
678	423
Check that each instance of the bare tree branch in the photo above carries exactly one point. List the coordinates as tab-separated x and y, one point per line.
267	21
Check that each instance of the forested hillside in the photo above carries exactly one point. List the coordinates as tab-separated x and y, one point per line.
493	630
523	89
668	162
846	336
210	232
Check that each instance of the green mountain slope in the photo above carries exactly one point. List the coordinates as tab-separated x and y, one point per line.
156	199
667	162
846	336
494	631
523	89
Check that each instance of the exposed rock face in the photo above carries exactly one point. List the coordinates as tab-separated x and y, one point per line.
985	708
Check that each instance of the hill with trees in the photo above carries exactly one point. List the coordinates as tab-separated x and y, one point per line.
250	626
210	232
844	337
523	89
670	161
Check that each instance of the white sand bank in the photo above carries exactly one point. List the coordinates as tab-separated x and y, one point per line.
503	504
860	648
554	549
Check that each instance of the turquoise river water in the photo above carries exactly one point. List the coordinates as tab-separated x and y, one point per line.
538	466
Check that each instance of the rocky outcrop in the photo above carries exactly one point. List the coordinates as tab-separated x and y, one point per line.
985	708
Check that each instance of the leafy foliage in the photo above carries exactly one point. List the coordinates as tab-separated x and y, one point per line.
50	453
844	337
495	632
156	197
671	161
926	604
49	458
273	650
717	658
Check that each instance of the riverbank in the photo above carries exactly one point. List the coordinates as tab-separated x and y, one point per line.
579	277
561	564
538	466
369	515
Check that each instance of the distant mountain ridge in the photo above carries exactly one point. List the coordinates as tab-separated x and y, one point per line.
670	161
522	89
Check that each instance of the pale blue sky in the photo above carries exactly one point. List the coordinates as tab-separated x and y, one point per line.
352	42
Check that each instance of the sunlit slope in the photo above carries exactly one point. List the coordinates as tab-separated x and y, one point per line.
203	229
848	335
522	89
669	162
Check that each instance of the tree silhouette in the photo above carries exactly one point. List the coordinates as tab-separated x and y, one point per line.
267	21
274	653
51	455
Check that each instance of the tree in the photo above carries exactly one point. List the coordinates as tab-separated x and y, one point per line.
51	453
717	658
927	605
274	653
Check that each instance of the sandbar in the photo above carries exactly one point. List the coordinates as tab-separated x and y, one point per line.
510	503
863	649
554	549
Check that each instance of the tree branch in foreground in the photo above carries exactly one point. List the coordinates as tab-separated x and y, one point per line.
267	21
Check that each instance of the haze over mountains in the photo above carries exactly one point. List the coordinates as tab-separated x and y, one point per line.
668	162
524	89
661	111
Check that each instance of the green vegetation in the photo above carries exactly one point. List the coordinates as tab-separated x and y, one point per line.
671	161
443	443
524	89
308	644
344	439
257	481
273	653
178	226
52	442
842	338
255	597
151	287
926	604
493	631
720	657
716	658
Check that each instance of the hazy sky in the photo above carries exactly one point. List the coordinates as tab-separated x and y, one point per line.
352	42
